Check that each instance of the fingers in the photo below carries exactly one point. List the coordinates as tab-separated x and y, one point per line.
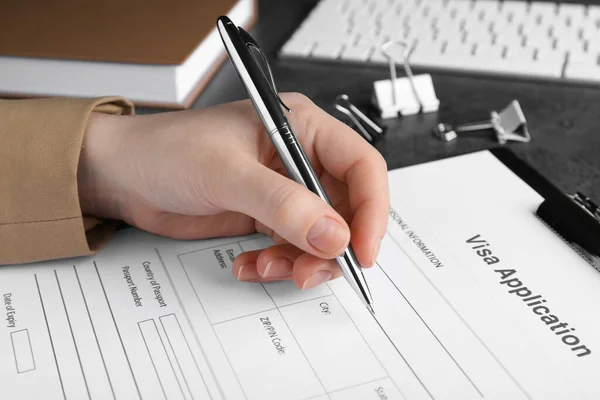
277	262
350	159
297	215
310	271
244	266
284	262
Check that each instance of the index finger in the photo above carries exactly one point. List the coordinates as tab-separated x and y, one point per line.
352	160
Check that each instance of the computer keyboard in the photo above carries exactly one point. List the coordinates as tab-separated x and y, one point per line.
534	39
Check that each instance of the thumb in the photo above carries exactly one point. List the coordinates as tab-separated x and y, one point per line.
295	213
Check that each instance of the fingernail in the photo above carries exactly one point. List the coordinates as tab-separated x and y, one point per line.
316	279
328	236
279	268
247	272
375	252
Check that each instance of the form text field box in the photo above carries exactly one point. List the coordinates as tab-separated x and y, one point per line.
22	351
266	358
341	358
222	296
184	358
163	366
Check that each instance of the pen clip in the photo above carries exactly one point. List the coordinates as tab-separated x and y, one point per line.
250	42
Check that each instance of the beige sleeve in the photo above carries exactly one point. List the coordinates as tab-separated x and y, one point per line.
40	143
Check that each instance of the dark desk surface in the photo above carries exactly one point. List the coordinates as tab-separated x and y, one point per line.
564	119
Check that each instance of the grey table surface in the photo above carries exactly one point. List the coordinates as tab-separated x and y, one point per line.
563	118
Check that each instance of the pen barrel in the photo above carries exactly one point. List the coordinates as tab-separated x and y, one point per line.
300	170
295	160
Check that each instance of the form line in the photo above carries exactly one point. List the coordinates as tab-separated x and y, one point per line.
150	354
72	335
304	301
62	386
430	331
400	353
244	316
118	332
95	334
371	349
361	384
187	317
171	364
212	326
190	350
210	248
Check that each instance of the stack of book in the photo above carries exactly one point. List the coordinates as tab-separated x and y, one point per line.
153	52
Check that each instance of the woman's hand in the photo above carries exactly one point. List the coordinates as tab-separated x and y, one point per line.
214	172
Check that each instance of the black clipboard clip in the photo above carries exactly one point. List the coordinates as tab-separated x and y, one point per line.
576	218
587	204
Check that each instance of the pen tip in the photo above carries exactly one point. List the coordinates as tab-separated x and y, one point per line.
370	307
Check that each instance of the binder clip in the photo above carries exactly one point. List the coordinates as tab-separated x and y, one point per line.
371	132
509	124
403	96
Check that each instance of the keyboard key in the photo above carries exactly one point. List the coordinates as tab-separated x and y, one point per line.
520	53
551	68
551	63
590	31
537	32
298	47
509	38
584	69
357	53
426	54
515	11
543	12
489	8
578	56
327	50
459	8
593	13
566	43
571	13
377	57
592	46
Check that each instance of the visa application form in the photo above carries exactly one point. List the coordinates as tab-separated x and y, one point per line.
474	297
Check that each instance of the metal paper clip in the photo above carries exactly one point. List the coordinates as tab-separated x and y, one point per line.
343	104
408	95
509	124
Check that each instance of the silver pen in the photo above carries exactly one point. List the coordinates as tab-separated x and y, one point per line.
263	94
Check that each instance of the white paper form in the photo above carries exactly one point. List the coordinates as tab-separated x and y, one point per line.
485	218
153	318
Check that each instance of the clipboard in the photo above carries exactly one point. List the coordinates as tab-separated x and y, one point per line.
573	217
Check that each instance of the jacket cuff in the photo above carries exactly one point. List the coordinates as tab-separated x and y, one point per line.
40	214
